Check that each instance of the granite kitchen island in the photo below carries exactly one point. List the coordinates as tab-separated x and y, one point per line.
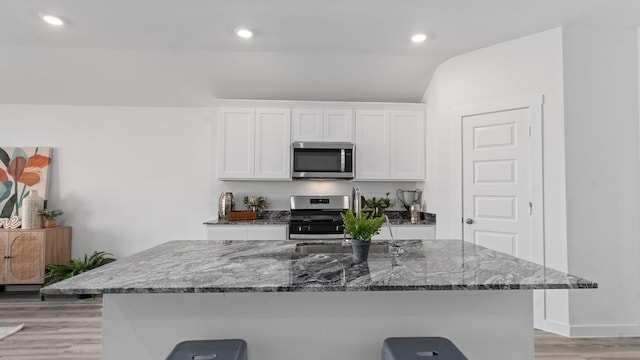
297	300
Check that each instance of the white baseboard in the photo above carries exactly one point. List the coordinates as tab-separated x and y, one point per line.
608	330
579	331
554	327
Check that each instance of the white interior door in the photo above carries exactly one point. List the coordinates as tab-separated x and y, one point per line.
496	180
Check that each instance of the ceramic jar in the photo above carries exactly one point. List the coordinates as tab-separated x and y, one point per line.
31	205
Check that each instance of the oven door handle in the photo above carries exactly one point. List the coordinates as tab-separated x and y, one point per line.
343	160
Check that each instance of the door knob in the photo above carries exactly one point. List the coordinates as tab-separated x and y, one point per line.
468	220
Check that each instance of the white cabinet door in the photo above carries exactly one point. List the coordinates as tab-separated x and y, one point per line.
307	125
247	232
390	145
418	232
272	144
322	125
267	232
338	125
407	145
385	233
372	145
236	127
254	144
226	232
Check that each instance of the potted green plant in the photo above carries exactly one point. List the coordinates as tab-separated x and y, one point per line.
378	205
361	228
59	272
50	217
256	203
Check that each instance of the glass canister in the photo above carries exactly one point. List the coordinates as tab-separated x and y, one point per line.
415	213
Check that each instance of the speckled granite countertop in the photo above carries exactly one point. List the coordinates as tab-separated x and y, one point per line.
281	217
274	266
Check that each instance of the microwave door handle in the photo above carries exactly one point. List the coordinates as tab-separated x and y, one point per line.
342	160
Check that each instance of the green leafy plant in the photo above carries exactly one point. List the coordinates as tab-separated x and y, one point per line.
256	201
362	226
59	272
50	214
383	202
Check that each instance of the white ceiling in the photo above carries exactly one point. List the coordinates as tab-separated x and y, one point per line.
185	52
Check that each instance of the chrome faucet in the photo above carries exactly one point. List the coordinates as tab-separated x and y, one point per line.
393	248
346	242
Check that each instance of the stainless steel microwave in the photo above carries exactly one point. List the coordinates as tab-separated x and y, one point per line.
322	160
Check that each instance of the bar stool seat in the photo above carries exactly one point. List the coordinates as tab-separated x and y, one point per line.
420	348
232	349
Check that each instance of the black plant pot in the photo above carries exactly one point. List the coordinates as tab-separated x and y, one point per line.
360	250
83	296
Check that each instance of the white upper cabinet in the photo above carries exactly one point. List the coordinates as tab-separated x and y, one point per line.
407	145
254	144
390	145
338	125
273	144
236	133
372	145
307	124
322	125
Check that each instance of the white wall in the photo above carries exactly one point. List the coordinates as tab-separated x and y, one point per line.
603	177
524	67
127	178
589	77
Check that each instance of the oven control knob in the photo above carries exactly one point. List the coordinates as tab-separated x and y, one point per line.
299	228
307	227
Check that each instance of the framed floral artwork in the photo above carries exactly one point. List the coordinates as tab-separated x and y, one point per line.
22	169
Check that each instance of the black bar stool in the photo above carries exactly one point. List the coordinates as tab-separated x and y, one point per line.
420	348
234	349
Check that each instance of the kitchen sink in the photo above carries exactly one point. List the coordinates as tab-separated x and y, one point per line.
307	249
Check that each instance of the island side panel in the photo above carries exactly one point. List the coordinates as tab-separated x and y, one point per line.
485	325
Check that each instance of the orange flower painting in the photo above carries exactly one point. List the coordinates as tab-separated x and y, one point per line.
22	169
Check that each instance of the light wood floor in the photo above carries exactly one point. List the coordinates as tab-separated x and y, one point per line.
68	328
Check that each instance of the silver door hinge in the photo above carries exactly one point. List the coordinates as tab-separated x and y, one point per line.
529	130
530	208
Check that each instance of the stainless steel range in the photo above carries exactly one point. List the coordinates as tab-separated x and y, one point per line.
317	217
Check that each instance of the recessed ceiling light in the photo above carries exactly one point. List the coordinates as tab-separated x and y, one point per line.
244	33
52	20
418	38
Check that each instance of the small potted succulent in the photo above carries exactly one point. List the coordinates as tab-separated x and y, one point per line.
50	217
361	228
378	205
256	203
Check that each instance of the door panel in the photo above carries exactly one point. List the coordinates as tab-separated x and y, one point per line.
494	172
26	264
496	180
4	238
494	136
499	241
495	207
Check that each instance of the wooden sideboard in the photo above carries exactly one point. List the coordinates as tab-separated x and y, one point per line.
24	254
